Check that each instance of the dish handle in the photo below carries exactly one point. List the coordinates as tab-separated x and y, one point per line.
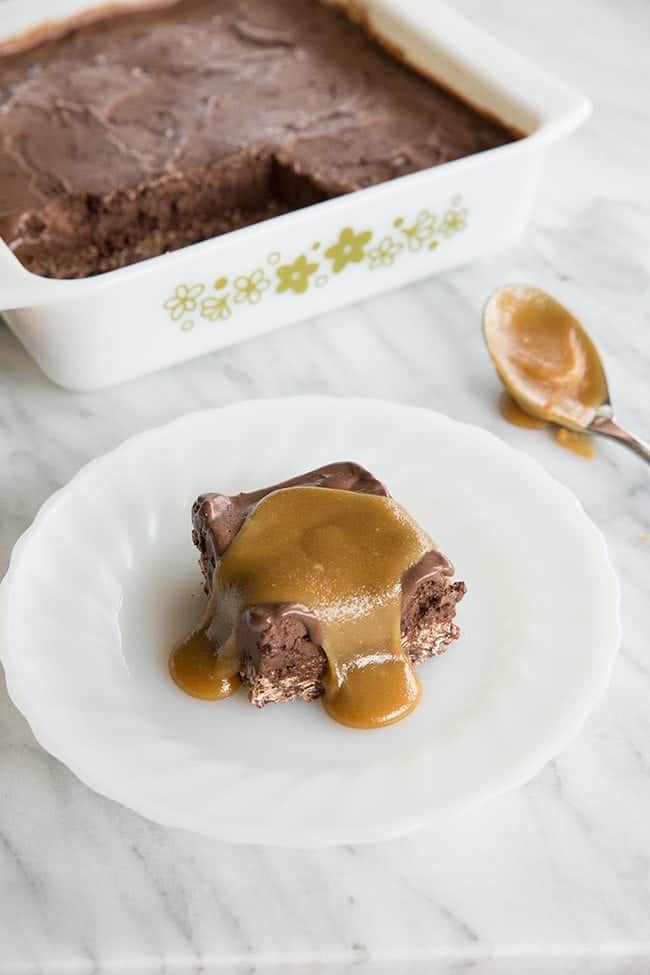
19	288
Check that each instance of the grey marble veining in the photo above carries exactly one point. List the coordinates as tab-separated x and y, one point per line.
553	878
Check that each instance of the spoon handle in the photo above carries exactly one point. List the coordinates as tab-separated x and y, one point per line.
608	427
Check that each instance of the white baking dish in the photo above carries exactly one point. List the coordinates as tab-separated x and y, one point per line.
99	331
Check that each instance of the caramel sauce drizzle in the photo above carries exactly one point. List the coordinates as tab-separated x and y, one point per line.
577	443
342	554
550	366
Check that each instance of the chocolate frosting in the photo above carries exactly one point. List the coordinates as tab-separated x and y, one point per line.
216	518
149	129
256	620
433	565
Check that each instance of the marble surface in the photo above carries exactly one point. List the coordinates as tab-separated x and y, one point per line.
552	878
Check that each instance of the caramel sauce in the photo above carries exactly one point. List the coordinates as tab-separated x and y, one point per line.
200	671
205	664
513	413
375	690
544	357
578	443
341	554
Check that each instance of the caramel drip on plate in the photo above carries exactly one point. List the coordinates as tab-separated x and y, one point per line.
341	554
205	664
201	671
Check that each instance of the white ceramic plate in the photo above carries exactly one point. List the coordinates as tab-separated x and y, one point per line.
106	580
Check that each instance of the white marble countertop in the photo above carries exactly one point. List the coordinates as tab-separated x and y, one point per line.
552	878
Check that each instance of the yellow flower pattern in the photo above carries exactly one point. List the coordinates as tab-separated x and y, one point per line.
183	300
215	309
315	268
295	277
421	231
250	287
453	221
384	254
350	248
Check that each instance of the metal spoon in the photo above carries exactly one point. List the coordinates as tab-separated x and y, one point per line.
535	318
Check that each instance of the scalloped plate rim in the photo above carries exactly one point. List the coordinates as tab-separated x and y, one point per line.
514	776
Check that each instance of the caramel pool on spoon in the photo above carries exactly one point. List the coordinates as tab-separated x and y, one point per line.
550	368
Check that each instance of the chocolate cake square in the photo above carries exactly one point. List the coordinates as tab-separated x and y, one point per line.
281	657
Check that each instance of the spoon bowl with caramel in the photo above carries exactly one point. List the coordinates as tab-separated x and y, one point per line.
549	365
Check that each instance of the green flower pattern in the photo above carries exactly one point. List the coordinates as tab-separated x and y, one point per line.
420	232
453	222
183	300
296	275
350	248
384	254
216	309
251	287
